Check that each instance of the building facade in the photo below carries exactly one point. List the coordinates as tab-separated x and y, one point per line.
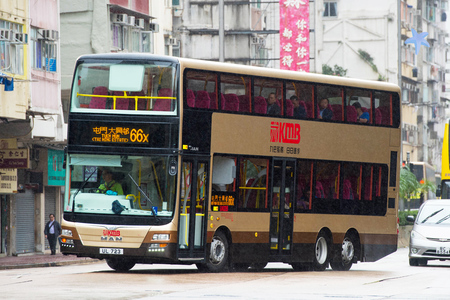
31	129
423	82
103	26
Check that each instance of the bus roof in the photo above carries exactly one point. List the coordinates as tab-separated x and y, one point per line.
251	70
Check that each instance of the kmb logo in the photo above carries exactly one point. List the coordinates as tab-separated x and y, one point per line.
111	232
281	132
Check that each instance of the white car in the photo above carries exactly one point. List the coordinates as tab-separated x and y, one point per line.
430	236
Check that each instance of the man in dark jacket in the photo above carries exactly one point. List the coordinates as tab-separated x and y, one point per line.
52	231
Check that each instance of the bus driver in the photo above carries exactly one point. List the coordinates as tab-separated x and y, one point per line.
110	183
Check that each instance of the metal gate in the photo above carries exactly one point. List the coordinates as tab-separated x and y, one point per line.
50	207
25	222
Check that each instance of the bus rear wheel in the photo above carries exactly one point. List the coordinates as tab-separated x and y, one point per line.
120	265
346	255
217	255
321	253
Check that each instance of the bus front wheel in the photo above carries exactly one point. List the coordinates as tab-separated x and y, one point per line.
217	256
121	265
321	253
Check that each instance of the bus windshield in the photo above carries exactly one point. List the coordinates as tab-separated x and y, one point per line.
125	88
121	185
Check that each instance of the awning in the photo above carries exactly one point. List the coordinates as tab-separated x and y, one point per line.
8	81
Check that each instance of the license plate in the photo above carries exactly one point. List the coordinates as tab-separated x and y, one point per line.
115	251
443	250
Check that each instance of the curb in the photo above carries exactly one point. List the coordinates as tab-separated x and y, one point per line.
49	264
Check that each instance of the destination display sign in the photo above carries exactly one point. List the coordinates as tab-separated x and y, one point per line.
119	134
122	134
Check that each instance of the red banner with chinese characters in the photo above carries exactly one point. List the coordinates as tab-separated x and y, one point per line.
294	35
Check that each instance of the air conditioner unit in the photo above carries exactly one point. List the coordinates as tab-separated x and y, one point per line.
46	34
120	18
5	35
54	35
131	20
20	38
154	27
139	23
257	41
172	42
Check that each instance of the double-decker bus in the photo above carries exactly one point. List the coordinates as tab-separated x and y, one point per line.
444	192
178	161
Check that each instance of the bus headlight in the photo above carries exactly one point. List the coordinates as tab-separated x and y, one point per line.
161	237
67	241
67	232
157	247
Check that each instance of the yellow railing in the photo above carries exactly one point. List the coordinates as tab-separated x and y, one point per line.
114	97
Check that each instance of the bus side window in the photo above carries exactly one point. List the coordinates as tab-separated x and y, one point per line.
253	183
303	193
334	97
359	106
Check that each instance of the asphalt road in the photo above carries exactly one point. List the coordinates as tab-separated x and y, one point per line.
389	278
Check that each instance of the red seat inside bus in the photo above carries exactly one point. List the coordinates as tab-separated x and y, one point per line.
99	102
121	103
202	100
289	108
190	98
244	103
337	112
142	102
260	105
352	115
163	104
231	102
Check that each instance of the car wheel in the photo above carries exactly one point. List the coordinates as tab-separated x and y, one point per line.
414	262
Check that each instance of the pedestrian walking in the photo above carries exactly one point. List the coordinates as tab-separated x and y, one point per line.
52	231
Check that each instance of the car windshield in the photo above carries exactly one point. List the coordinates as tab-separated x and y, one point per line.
433	214
122	185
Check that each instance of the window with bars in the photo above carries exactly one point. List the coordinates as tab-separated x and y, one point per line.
11	54
330	9
132	39
43	52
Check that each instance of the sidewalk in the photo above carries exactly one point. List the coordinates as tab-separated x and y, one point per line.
36	260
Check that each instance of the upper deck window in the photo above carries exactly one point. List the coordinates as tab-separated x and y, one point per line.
125	88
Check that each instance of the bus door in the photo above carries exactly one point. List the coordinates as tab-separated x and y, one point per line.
192	212
283	195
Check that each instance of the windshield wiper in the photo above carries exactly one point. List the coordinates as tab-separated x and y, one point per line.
443	219
433	214
145	196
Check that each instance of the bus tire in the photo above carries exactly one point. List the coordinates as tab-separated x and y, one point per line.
218	254
299	267
258	266
120	265
346	255
321	253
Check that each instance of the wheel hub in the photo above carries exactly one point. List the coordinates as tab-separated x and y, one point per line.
217	251
348	251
